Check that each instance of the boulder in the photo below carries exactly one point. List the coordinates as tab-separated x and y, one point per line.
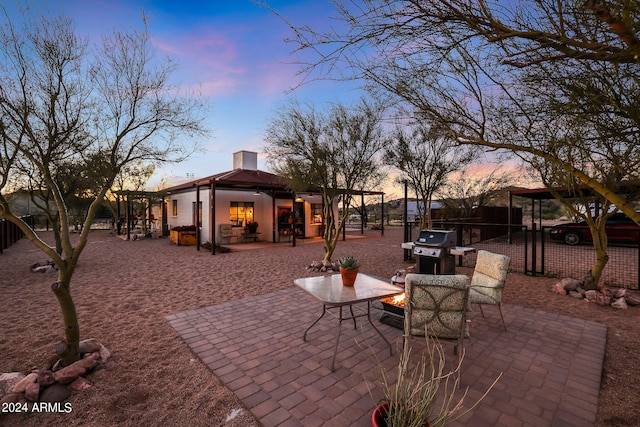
591	295
73	371
55	393
559	288
570	284
619	303
45	378
104	355
90	345
632	297
603	299
8	380
576	295
80	384
11	398
21	385
32	392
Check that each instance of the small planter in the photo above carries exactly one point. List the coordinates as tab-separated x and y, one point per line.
183	238
348	276
379	416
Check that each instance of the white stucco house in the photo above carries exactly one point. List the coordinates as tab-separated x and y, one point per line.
224	205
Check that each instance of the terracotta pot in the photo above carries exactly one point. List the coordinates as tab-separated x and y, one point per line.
379	416
348	276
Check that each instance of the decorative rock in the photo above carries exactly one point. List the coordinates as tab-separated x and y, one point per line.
80	384
559	288
602	299
32	392
619	303
591	295
43	267
8	380
576	295
570	284
21	385
73	371
55	393
11	398
104	354
632	297
45	378
90	345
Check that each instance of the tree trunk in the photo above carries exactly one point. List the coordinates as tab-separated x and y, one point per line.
600	244
69	353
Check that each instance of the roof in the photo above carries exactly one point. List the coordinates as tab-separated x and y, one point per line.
546	193
247	179
237	179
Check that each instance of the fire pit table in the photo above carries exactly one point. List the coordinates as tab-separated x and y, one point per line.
333	295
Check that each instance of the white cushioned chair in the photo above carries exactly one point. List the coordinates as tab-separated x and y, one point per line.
488	280
437	305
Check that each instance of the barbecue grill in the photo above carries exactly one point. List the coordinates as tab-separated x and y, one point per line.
432	252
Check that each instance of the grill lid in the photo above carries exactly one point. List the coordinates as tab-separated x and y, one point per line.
437	238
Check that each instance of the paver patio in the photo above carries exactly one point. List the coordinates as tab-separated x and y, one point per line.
551	363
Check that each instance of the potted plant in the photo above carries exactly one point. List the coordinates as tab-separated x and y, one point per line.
348	270
252	227
417	389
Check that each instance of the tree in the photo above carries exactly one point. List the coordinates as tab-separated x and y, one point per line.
466	191
555	81
425	157
65	104
335	152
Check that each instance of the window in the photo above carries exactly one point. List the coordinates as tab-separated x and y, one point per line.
240	213
175	207
316	213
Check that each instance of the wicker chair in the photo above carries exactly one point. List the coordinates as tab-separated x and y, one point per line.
437	305
488	281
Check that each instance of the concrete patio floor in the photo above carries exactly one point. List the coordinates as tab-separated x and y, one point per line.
551	363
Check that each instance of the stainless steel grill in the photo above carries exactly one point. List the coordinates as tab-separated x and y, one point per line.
432	252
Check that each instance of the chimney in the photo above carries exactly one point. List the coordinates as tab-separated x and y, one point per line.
247	160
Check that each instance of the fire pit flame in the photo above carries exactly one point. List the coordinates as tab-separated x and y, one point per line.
398	300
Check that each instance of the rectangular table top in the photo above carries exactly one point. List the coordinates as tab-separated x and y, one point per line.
330	290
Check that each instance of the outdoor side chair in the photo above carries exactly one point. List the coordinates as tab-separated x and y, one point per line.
437	306
488	280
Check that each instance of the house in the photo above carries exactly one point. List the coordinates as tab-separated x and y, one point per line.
225	204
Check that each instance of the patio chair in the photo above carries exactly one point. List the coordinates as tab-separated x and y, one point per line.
488	281
437	305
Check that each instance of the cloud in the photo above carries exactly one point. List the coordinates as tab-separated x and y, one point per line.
207	58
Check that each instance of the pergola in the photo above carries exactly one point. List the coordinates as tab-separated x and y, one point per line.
539	194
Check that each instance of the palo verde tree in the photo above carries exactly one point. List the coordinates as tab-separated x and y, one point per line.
425	157
542	79
62	103
336	152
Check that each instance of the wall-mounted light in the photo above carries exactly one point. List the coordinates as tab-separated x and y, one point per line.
299	199
257	193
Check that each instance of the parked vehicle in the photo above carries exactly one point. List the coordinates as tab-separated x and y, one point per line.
619	228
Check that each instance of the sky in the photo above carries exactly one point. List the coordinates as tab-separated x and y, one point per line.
234	50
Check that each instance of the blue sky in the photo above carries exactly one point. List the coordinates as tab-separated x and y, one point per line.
233	49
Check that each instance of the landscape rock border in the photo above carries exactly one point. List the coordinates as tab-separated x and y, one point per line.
57	383
620	298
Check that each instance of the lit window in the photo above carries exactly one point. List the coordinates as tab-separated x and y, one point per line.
240	213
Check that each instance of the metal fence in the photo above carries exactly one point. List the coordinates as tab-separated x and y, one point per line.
533	252
11	233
